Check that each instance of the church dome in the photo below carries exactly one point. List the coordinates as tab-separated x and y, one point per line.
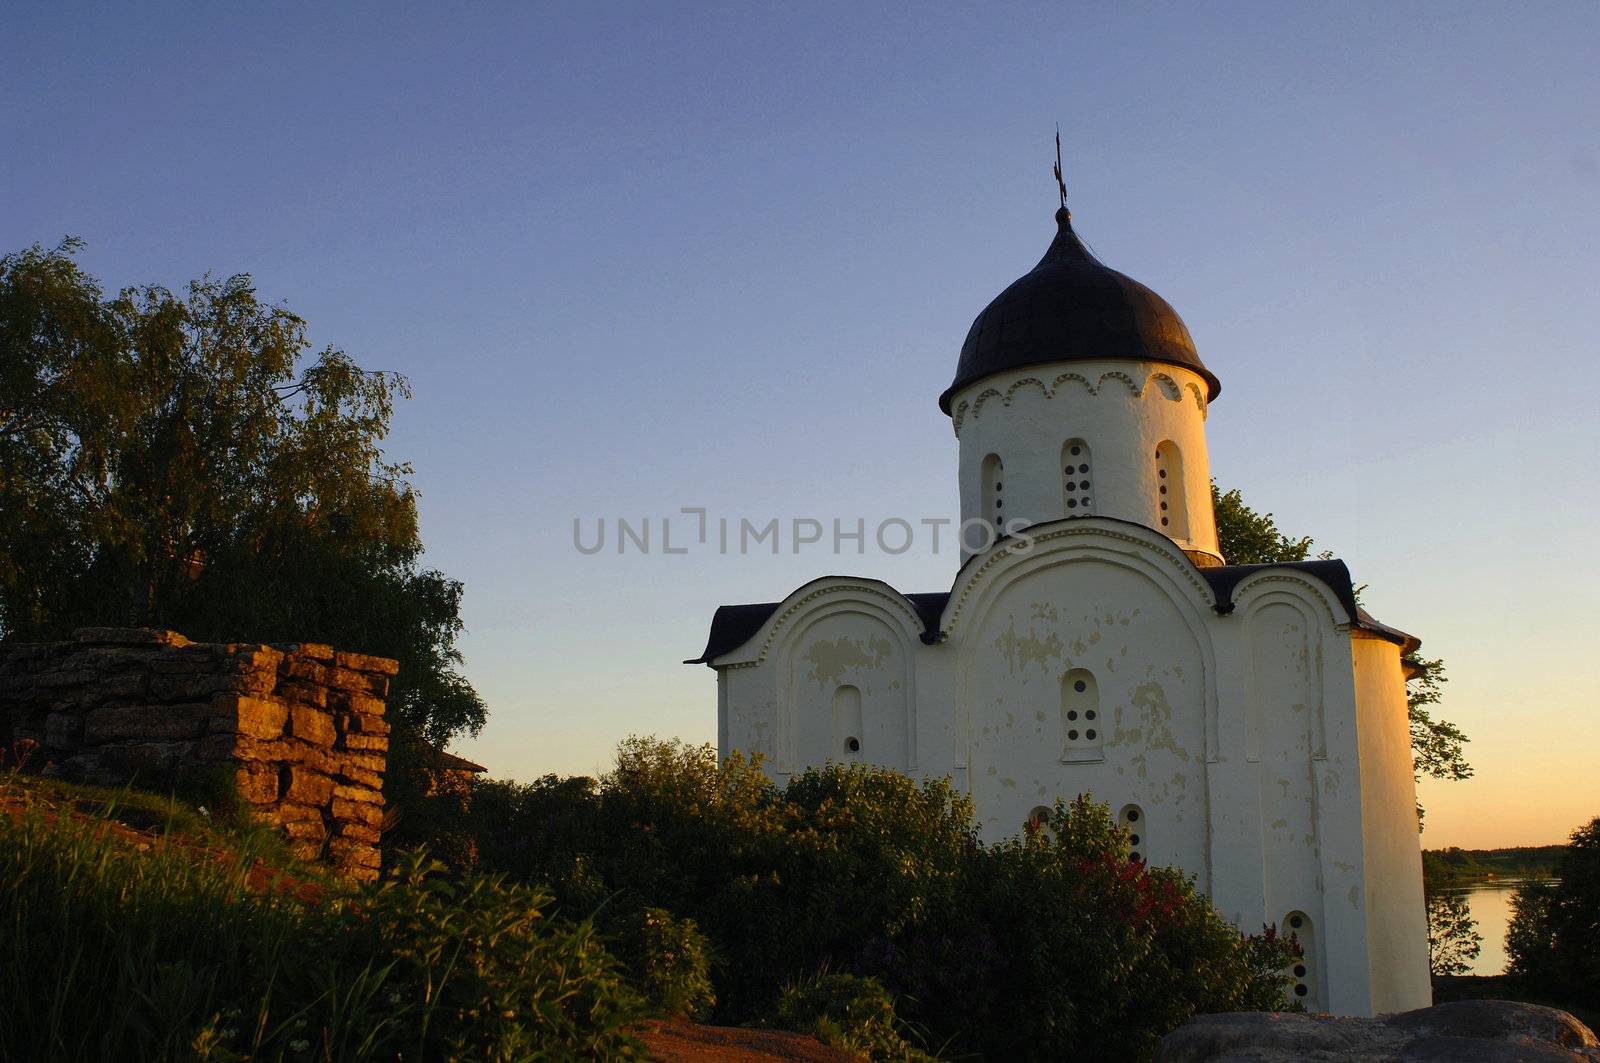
1072	308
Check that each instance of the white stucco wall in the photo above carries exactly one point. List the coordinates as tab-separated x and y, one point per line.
1397	928
1122	410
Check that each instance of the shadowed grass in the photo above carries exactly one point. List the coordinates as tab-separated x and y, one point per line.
122	949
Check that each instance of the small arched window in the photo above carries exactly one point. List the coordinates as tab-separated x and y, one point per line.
1172	501
1077	484
1082	729
847	723
1133	821
994	500
1304	985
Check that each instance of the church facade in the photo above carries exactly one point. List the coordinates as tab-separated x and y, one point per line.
1247	723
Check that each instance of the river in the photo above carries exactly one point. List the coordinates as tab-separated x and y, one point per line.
1490	904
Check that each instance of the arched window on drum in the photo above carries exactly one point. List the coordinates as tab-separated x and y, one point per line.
1077	482
1172	500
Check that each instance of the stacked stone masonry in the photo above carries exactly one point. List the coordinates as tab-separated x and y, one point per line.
297	729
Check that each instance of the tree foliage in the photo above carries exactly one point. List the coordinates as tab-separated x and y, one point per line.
1249	537
1453	938
1554	936
185	460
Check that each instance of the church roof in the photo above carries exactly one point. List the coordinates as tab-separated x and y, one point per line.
734	625
1070	308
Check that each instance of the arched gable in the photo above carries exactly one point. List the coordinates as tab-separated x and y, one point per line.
1038	626
840	634
826	590
1138	549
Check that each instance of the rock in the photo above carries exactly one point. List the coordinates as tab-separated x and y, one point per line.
358	832
357	812
311	725
370	779
316	650
256	784
361	662
306	786
153	722
129	636
358	682
305	830
63	731
301	691
1491	1031
363	795
256	717
1490	1019
366	723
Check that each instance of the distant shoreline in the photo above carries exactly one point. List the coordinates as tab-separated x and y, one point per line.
1475	866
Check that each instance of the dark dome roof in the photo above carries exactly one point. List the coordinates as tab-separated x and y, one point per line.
1071	308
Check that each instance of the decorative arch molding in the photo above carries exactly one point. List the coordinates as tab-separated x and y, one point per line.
1287	581
1311	609
1116	539
1162	382
860	591
906	643
1169	386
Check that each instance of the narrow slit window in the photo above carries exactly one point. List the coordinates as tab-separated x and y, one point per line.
1133	821
1077	481
1303	985
847	723
994	493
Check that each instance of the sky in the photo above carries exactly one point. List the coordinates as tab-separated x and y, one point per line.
640	257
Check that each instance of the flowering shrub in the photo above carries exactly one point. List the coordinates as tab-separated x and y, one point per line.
1066	948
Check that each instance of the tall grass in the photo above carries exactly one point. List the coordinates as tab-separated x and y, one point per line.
116	948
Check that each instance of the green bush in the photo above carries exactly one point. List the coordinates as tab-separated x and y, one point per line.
853	1012
120	949
1554	937
669	959
1032	948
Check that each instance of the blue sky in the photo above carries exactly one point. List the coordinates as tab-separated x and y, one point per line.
641	257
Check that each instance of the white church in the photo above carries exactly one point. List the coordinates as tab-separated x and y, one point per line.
1247	722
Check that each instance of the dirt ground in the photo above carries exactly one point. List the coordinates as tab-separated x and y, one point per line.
681	1042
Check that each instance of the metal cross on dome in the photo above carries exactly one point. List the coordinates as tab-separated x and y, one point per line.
1060	183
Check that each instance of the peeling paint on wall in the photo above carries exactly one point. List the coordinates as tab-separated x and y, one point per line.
830	660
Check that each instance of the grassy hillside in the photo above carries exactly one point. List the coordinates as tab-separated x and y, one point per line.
141	929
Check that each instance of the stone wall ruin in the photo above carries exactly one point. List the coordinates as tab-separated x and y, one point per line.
296	730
